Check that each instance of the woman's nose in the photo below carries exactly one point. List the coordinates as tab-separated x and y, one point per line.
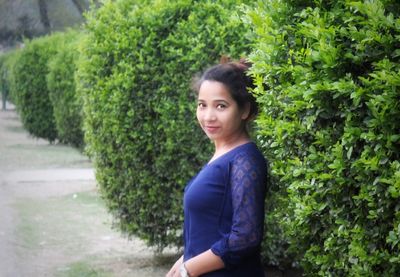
209	115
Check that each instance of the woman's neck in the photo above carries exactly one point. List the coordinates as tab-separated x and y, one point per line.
221	147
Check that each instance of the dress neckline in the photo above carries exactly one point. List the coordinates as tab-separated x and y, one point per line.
228	152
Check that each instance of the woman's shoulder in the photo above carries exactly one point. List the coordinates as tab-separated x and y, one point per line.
248	151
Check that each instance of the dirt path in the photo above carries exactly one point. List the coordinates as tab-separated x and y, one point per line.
52	221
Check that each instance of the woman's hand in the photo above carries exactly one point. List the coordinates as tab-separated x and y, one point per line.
174	271
196	266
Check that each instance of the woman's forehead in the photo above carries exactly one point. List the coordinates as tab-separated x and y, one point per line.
213	90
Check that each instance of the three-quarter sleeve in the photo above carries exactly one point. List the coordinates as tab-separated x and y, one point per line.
248	183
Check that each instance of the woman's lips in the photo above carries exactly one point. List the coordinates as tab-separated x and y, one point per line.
211	129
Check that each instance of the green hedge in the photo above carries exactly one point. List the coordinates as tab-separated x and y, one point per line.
61	85
4	86
7	61
29	88
328	81
135	76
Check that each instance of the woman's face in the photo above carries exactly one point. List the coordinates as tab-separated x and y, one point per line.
218	113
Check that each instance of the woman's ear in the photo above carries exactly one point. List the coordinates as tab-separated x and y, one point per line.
246	112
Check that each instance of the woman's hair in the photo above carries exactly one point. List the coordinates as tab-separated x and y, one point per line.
233	75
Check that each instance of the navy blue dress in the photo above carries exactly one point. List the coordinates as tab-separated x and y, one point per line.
224	211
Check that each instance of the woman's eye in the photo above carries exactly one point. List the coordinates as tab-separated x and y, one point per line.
201	105
221	106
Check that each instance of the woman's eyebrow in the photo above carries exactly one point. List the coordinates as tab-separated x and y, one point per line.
214	101
220	100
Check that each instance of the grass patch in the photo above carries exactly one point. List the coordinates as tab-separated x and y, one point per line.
82	269
41	155
68	220
15	129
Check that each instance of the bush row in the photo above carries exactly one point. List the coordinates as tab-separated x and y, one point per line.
329	86
40	80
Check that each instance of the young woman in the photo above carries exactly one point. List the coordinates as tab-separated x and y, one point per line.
224	202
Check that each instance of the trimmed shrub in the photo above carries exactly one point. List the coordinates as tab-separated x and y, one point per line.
61	85
135	76
29	87
3	78
328	81
7	61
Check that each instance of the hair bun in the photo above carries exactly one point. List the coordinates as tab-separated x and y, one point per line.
245	63
224	59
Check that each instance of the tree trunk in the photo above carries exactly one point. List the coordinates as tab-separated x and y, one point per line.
78	6
44	17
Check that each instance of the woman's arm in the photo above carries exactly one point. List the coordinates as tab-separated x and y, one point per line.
203	263
196	266
247	180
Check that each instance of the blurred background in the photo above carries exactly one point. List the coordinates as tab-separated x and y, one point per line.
21	19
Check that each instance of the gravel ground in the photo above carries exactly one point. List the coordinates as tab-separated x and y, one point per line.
52	220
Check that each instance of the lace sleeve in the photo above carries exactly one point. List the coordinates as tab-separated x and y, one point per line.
248	177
